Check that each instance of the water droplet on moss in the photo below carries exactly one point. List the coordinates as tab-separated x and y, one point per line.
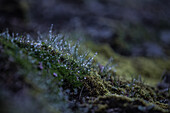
55	75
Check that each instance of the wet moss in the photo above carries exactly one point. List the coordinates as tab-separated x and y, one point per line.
111	94
20	82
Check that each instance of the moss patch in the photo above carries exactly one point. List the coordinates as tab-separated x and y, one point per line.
150	69
73	82
117	103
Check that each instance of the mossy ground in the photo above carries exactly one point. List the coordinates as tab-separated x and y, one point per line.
125	95
54	88
151	69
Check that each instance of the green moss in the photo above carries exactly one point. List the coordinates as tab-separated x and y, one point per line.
66	72
150	69
133	94
124	104
52	63
94	86
20	72
20	79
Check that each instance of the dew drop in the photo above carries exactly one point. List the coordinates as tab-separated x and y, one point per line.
55	75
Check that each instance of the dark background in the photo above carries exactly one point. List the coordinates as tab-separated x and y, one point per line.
131	27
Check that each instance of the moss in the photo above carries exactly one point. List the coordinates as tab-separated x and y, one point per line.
133	94
20	76
19	81
94	86
150	69
111	94
52	62
124	104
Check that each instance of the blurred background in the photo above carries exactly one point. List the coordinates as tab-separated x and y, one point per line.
133	27
124	29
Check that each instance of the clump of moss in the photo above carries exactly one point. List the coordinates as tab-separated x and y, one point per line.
117	103
42	63
58	68
57	55
94	86
133	90
22	84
